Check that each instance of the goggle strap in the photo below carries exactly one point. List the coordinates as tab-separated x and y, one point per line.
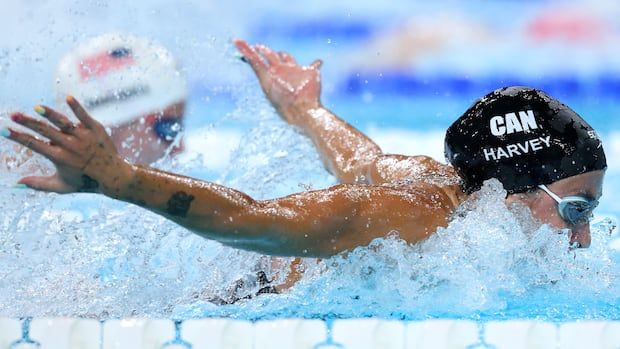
555	197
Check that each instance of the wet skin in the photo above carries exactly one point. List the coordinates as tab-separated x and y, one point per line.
379	193
318	223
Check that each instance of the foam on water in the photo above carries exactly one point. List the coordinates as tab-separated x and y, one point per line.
86	255
486	264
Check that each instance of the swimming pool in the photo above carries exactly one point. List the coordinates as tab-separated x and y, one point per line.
90	257
150	267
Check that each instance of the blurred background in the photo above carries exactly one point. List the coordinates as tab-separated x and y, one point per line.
401	71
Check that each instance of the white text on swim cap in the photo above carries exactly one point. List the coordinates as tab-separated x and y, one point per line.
501	125
516	149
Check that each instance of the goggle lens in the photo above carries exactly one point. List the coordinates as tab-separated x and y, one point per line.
573	209
577	210
167	129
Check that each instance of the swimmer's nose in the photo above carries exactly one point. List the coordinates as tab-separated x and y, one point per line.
580	236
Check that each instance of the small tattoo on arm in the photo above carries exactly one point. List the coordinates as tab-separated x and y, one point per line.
89	185
179	203
136	201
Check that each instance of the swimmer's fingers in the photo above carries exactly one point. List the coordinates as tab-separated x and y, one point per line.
63	157
83	115
56	118
42	128
286	58
50	183
35	144
255	60
317	64
269	55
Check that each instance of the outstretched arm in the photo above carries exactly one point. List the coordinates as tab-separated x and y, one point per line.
311	224
294	90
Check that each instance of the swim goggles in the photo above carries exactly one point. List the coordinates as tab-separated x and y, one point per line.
573	209
166	127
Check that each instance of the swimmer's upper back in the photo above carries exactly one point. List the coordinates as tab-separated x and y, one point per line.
419	172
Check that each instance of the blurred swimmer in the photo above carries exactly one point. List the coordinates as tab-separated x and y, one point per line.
544	154
132	86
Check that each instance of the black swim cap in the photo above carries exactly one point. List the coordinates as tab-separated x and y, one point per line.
522	137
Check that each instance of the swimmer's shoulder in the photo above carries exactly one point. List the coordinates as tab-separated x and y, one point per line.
421	173
429	166
393	168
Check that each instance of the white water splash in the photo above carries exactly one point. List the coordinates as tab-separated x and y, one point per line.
485	264
85	255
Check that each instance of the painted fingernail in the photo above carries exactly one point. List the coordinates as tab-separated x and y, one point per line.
4	132
16	117
70	99
39	110
20	186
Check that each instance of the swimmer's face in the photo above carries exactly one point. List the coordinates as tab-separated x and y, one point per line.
545	209
141	142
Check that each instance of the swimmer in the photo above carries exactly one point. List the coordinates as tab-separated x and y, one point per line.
546	156
132	86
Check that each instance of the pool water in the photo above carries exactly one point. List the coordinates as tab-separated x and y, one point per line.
83	255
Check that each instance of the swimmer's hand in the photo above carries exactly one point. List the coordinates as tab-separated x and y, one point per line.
85	157
292	89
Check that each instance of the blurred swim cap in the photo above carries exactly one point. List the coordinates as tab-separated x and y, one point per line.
120	77
523	138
